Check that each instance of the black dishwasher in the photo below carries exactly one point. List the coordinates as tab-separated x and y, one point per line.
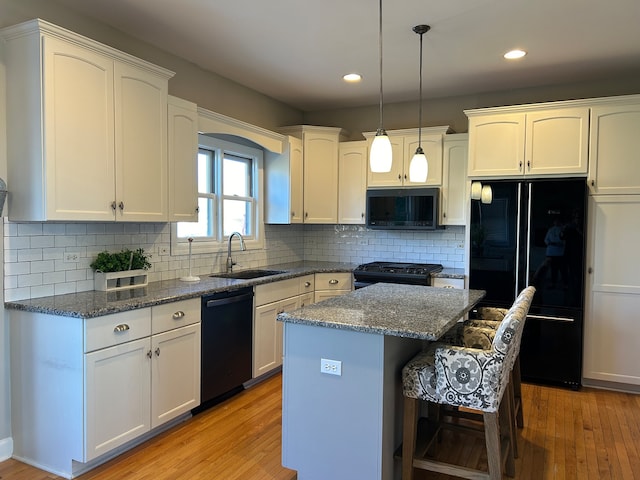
226	362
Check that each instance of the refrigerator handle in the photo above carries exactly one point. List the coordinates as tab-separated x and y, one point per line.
527	234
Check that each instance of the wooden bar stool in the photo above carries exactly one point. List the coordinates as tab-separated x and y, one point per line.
474	378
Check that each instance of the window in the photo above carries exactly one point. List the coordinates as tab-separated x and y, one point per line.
229	188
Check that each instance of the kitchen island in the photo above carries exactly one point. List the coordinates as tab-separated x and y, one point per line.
343	358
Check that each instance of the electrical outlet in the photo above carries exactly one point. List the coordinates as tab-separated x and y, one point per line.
332	367
71	257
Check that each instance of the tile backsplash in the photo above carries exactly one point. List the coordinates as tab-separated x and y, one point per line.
42	259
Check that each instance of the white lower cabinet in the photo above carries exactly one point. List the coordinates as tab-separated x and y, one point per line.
611	323
448	282
108	381
332	285
118	387
272	299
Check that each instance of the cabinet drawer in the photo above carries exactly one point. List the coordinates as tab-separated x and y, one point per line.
307	284
176	314
272	292
333	281
115	329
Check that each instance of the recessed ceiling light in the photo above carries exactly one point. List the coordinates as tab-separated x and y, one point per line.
513	54
352	77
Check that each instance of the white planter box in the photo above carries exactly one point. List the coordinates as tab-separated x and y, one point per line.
112	281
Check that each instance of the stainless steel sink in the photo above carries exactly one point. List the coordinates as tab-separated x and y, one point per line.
248	274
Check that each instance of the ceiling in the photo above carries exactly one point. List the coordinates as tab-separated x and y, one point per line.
296	51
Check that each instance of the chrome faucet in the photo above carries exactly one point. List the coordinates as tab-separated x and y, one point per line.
230	262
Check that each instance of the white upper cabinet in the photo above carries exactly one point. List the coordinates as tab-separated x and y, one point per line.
454	202
320	171
403	145
183	160
352	182
283	176
528	140
87	129
614	167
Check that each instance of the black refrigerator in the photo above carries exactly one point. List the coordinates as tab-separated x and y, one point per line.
532	233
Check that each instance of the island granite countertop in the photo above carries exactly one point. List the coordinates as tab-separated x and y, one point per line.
93	303
410	311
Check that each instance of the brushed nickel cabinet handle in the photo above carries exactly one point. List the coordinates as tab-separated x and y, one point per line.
123	327
307	284
178	315
333	281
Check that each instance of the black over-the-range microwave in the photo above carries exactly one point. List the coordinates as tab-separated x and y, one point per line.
403	208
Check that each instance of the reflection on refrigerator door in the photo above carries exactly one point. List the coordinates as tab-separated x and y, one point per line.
532	234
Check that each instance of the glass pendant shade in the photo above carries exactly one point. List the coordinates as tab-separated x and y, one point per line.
476	190
487	194
419	167
380	157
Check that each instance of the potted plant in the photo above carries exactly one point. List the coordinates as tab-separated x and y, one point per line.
120	270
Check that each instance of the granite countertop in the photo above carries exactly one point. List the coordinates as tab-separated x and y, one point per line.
390	309
96	304
450	273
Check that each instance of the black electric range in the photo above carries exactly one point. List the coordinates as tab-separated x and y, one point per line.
394	272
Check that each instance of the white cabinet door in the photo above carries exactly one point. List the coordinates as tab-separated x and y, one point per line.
267	335
117	392
612	323
614	145
182	160
453	210
284	179
496	145
320	177
352	182
141	144
175	373
78	135
557	141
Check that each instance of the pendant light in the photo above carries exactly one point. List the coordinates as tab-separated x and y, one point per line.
419	167
380	157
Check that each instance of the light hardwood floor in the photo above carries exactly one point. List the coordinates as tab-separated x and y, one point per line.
586	435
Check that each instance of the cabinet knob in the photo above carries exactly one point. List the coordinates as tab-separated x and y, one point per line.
178	315
280	311
123	327
307	284
113	206
444	214
149	354
590	270
121	206
157	352
293	214
306	214
529	165
197	209
399	177
593	183
362	215
333	281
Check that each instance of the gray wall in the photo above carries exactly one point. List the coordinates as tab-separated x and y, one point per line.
449	111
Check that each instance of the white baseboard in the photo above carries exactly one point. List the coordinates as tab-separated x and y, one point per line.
6	448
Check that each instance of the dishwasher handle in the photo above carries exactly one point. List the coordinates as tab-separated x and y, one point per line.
216	302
